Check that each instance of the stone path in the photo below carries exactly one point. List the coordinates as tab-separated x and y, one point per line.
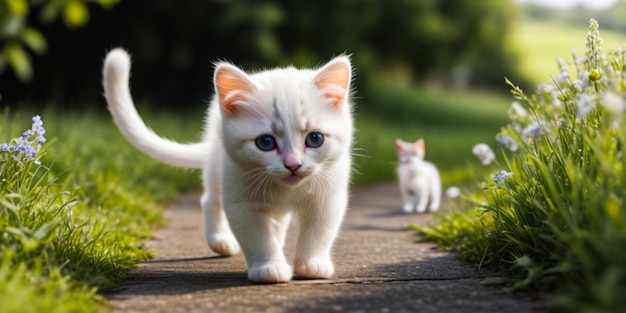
379	268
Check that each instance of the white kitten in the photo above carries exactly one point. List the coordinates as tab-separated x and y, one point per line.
277	142
419	180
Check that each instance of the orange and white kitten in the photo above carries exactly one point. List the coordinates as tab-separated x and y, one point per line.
277	142
420	183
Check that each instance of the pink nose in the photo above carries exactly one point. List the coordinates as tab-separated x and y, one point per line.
292	167
291	160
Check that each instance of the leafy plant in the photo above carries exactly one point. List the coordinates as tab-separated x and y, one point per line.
59	241
553	215
16	35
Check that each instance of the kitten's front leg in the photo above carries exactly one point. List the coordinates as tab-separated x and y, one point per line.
408	206
217	232
408	200
261	234
319	226
422	201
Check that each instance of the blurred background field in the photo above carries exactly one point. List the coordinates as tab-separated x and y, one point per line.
540	42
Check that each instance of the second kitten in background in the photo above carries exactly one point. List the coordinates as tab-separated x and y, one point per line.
420	183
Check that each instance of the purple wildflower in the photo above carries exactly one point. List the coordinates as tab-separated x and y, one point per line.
500	177
29	143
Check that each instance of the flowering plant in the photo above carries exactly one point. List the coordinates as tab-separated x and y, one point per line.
555	216
562	216
28	145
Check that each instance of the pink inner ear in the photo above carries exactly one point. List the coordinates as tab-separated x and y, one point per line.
337	74
335	78
399	147
420	147
337	99
230	103
231	86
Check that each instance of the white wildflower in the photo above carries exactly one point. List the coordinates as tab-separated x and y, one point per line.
585	104
613	102
517	110
484	153
453	192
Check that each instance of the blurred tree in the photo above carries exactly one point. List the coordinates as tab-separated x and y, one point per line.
430	38
16	34
173	44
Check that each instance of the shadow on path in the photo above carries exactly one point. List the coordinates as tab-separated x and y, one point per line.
379	267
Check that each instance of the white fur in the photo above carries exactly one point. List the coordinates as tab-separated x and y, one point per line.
419	180
250	194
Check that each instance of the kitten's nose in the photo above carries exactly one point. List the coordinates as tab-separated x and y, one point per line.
291	160
293	167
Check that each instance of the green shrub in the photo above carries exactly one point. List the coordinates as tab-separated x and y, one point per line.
17	37
552	216
64	236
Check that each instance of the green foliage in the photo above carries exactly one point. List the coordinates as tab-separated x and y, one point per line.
558	223
74	215
429	39
460	42
17	37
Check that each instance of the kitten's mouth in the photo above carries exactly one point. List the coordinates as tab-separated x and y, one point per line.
293	179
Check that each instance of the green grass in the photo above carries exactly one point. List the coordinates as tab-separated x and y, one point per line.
557	225
76	224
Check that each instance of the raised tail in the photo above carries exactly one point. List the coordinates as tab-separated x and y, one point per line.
115	80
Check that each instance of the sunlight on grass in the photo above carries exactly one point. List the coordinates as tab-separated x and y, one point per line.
75	208
556	221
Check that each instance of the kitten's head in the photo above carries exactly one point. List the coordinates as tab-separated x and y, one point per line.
409	150
286	125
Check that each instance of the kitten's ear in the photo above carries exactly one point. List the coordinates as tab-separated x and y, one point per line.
420	147
399	146
334	78
231	85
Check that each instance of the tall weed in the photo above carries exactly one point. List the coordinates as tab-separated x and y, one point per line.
552	214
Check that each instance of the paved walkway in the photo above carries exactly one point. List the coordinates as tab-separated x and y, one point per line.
379	268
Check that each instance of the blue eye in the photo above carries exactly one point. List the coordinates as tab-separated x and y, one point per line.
265	142
314	140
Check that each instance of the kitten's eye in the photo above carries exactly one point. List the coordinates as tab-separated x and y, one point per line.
314	140
265	142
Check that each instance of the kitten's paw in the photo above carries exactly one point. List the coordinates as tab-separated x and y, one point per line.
433	208
271	273
223	244
407	208
314	269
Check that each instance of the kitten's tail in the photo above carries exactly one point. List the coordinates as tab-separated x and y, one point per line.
116	73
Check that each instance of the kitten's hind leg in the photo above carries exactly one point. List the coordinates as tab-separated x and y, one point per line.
217	232
435	193
318	229
422	202
435	201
